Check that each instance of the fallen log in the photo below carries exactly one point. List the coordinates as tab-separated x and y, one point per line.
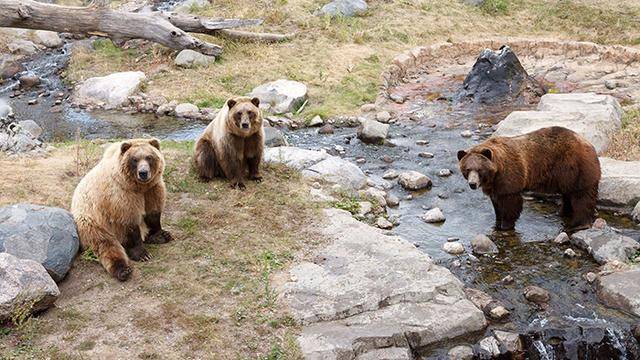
99	18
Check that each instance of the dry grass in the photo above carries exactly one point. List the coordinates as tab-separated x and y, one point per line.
341	59
205	295
625	145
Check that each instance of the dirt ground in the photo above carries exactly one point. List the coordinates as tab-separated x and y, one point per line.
205	295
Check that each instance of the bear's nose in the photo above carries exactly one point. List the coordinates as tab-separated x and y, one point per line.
245	126
473	186
143	174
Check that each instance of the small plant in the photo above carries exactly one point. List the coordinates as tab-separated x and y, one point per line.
188	224
276	353
22	314
495	7
349	204
635	258
88	255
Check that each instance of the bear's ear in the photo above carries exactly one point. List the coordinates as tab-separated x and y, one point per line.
155	143
255	101
231	103
124	147
461	154
487	153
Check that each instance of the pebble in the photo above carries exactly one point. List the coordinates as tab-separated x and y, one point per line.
466	133
507	279
599	224
361	160
408	197
326	129
562	238
422	142
368	107
569	253
339	148
590	277
390	174
383	116
460	352
392	200
536	294
316	121
444	172
453	248
383	223
386	158
499	312
610	84
443	196
398	99
426	155
451	239
33	101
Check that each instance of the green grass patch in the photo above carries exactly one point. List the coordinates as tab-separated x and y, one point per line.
349	204
495	7
88	255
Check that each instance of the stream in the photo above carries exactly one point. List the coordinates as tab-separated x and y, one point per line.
525	254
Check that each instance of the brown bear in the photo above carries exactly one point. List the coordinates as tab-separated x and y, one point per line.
120	202
548	160
232	144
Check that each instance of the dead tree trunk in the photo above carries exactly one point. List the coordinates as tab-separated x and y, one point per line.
29	14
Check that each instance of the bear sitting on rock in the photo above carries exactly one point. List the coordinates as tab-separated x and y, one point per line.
549	160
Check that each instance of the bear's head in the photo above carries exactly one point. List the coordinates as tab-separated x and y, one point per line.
141	160
244	118
477	166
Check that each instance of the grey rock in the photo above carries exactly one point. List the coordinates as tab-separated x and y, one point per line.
316	121
499	313
186	110
621	290
369	291
610	84
190	59
22	47
294	157
444	172
466	133
453	248
372	132
347	8
635	214
509	341
186	6
426	155
49	39
580	102
383	116
30	127
43	234
605	245
481	244
590	277
620	182
390	174
24	286
376	195
365	207
390	353
280	96
9	66
29	80
274	137
326	129
479	298
536	294
368	107
489	347
460	352
337	171
434	215
562	238
5	110
392	200
383	223
570	253
111	91
167	108
413	180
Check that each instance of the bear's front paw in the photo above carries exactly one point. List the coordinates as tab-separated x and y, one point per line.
122	271
139	253
161	237
256	178
239	185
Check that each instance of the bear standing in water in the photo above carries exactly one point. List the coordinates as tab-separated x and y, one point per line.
120	200
548	160
232	144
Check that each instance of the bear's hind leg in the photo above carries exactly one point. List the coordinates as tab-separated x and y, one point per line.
565	207
106	248
510	207
204	160
584	205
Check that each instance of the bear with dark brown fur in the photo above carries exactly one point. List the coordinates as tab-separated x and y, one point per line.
231	146
549	160
120	202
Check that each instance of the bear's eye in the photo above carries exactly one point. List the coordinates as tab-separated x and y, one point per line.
148	158
252	116
237	116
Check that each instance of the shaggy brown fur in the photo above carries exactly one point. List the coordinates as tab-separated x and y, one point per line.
232	143
120	200
549	160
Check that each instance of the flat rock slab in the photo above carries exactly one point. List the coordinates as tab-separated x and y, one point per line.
620	182
44	234
25	286
109	91
581	102
605	245
293	157
280	96
368	291
336	170
621	290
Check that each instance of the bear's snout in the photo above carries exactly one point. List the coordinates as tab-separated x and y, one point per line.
144	172
245	125
474	180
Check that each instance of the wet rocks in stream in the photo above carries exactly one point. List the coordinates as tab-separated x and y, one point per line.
498	77
481	245
372	132
413	180
20	137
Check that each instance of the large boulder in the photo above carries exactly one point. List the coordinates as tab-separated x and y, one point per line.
346	8
337	171
44	234
189	58
620	182
496	77
111	91
5	110
187	6
595	117
22	47
621	290
293	157
49	39
9	66
372	132
413	180
366	291
273	137
186	110
25	287
280	96
605	245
